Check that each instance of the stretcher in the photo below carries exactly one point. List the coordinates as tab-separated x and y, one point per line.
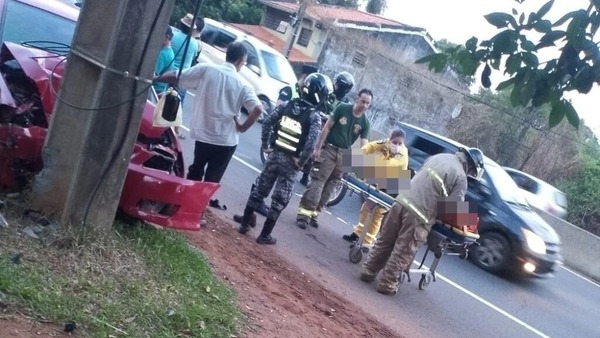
443	239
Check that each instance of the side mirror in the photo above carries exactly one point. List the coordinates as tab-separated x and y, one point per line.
254	68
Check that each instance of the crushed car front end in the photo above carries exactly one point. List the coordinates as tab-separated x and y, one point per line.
155	189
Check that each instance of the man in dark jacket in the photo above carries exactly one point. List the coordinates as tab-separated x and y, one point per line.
290	134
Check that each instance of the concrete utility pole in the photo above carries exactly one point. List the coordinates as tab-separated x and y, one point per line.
299	17
111	38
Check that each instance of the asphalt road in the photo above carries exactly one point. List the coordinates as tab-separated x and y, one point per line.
465	301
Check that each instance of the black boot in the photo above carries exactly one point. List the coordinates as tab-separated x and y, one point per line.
248	220
265	235
350	238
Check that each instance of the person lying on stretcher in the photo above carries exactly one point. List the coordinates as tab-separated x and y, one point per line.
382	164
460	217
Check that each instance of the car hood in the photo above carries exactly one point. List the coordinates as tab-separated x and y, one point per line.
38	65
536	223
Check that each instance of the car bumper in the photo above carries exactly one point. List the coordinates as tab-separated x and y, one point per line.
163	199
541	266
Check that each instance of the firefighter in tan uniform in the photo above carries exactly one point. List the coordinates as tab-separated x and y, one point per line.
392	159
442	180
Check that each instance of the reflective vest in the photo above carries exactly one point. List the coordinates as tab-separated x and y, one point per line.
292	128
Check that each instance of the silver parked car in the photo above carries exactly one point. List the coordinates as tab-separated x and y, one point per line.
540	194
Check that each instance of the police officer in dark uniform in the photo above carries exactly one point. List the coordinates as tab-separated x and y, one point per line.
290	133
343	82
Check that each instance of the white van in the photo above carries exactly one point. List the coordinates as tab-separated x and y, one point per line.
267	70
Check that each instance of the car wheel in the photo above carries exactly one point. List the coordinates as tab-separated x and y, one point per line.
492	253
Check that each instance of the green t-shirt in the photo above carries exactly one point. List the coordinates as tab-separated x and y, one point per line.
347	128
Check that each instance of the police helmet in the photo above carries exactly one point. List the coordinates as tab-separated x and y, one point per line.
315	88
474	161
343	83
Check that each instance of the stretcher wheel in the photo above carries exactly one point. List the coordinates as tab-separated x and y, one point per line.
355	254
464	254
424	281
403	277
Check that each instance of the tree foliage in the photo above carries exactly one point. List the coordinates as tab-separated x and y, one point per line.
583	193
343	3
236	11
376	6
533	82
450	48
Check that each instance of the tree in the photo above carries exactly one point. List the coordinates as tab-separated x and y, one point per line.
236	11
534	82
446	46
376	6
343	3
583	193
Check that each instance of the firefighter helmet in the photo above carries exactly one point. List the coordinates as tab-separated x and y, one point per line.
315	88
343	82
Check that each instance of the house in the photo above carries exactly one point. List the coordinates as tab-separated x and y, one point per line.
378	51
318	23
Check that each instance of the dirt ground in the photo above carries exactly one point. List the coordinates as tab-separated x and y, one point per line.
279	299
16	325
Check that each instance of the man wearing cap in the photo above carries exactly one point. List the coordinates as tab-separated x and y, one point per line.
180	35
178	43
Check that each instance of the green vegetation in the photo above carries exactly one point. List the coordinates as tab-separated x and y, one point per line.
583	191
235	11
139	281
533	82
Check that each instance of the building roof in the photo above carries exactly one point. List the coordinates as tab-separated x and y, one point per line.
340	14
270	39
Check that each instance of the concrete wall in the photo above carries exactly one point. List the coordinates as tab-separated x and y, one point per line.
402	90
579	248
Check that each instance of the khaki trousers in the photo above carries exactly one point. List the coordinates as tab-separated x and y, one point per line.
325	176
395	249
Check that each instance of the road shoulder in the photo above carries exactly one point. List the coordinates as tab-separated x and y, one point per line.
278	298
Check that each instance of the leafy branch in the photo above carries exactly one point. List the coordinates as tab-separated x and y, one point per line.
576	69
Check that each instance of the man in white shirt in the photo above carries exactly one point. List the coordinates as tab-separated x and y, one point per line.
220	95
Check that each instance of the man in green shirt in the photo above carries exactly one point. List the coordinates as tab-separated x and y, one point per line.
344	126
343	83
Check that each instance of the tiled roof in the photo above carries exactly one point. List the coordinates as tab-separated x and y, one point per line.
275	42
342	14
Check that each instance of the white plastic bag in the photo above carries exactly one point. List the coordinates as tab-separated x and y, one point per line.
158	120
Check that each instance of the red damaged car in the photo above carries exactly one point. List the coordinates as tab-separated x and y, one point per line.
36	35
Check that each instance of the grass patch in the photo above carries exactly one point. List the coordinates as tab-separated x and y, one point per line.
137	282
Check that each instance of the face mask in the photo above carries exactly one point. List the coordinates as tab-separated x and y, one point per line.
394	148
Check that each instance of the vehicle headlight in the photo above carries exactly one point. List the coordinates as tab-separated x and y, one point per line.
534	242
